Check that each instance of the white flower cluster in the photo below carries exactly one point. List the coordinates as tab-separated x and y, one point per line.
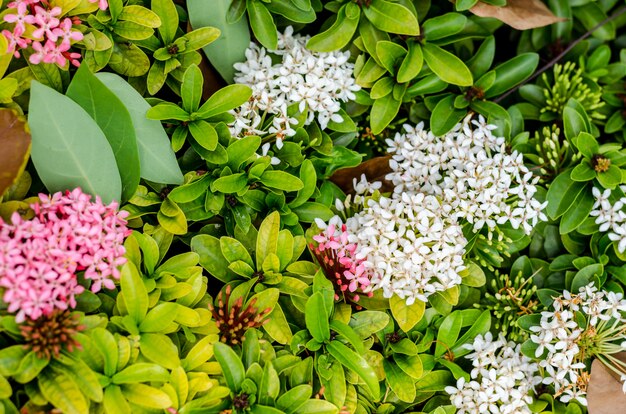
411	244
610	216
502	379
568	345
470	170
315	81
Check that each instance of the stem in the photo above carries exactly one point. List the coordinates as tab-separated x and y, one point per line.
551	63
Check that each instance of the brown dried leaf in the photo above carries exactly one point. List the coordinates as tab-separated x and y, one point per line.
604	392
15	144
519	14
374	169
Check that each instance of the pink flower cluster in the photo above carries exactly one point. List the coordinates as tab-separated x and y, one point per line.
51	38
339	262
40	258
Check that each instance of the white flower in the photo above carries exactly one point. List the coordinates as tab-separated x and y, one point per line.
309	81
610	216
470	170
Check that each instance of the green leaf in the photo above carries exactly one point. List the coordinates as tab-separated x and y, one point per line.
583	172
349	334
267	240
269	386
112	117
390	54
611	177
442	26
239	151
561	194
412	63
199	38
140	15
105	342
573	123
172	218
225	99
587	144
191	88
211	258
159	317
513	72
410	364
448	333
586	275
204	134
159	349
157	160
339	34
167	110
69	149
383	112
402	384
308	212
291	400
230	47
262	24
146	396
392	17
232	367
317	407
579	211
166	10
281	180
30	367
447	66
135	293
62	392
366	323
114	401
232	183
141	372
128	60
407	316
277	327
316	318
445	116
356	363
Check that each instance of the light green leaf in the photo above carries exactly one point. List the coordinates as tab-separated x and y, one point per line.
447	66
135	293
166	10
339	34
112	117
262	24
157	160
62	392
232	367
392	17
407	316
68	148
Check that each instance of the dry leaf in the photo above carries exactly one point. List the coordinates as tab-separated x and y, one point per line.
374	169
15	144
604	392
519	14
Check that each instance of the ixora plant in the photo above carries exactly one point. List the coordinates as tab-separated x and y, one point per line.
312	207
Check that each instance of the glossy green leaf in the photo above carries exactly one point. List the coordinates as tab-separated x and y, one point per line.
61	391
68	148
412	63
445	116
390	55
141	372
447	66
406	316
401	383
561	194
134	291
146	396
383	112
262	24
579	211
159	349
232	367
339	34
444	25
166	10
356	363
392	17
224	100
513	72
316	318
281	180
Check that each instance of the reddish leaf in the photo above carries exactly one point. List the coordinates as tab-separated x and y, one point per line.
15	144
604	392
374	169
519	14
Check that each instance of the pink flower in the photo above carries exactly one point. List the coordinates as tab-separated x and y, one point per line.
54	53
39	55
47	21
17	3
20	19
65	32
40	258
338	260
15	41
102	4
